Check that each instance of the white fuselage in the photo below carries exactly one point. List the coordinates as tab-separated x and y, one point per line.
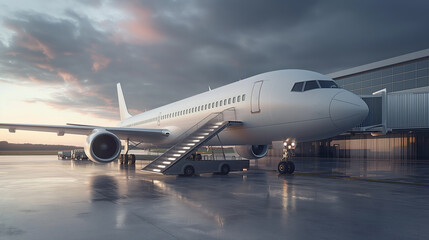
270	111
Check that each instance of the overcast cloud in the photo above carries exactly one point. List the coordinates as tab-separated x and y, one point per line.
163	51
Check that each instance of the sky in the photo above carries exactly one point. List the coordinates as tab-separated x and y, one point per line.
60	60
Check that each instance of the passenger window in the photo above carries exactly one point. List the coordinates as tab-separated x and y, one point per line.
212	104
243	97
309	85
217	103
224	102
205	107
238	98
233	100
297	87
220	103
229	100
327	84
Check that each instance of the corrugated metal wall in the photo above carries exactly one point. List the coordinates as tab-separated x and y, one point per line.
408	110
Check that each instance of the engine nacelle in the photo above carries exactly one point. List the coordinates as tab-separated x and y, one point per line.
102	146
252	151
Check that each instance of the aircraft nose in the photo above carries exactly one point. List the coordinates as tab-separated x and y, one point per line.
347	110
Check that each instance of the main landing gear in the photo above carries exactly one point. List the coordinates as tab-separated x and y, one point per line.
286	166
128	159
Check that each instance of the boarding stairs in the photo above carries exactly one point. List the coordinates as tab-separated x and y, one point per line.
191	140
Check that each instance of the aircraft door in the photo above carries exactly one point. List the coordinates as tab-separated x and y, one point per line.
159	119
255	98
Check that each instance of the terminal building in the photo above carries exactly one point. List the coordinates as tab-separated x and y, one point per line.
396	91
397	127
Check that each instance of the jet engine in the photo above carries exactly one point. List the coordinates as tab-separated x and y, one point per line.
102	146
252	151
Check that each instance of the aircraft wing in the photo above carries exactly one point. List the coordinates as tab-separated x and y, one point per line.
134	134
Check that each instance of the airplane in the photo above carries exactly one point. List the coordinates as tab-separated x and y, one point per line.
285	105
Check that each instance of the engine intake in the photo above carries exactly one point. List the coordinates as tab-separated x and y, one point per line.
252	151
102	146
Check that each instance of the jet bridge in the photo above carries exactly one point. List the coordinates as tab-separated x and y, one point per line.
181	159
395	111
376	121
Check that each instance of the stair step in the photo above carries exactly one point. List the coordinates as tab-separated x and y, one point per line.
188	144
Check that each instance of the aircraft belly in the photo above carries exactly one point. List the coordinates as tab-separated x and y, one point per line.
309	130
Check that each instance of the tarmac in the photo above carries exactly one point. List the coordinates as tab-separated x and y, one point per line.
45	198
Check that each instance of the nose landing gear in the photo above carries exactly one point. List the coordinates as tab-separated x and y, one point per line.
286	166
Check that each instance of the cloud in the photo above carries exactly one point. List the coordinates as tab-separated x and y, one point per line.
28	41
137	28
100	62
162	51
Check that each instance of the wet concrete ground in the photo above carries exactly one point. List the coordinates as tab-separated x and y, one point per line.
45	198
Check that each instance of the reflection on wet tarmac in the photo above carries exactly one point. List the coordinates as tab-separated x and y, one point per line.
104	188
83	200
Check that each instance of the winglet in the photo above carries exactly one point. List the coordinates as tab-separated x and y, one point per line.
123	111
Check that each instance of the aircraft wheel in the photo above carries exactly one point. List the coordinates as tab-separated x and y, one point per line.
189	171
286	167
224	170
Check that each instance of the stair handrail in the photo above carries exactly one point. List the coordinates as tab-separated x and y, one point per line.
196	127
199	124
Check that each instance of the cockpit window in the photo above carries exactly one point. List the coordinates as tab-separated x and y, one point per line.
311	85
297	87
327	84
